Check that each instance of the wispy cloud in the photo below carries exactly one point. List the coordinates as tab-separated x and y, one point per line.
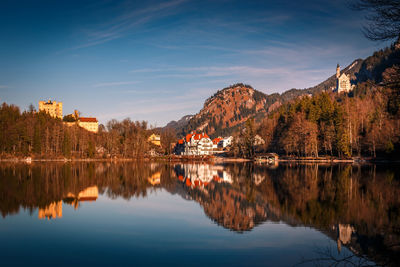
217	71
111	84
123	23
3	86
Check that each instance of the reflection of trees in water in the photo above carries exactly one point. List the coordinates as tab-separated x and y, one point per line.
365	197
322	196
39	185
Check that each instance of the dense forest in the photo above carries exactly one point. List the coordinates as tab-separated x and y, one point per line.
37	134
364	123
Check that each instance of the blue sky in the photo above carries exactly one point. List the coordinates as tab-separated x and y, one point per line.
159	60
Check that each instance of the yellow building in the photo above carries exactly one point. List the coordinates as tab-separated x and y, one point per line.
155	139
52	107
90	124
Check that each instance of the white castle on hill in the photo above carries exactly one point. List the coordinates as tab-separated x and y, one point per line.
342	81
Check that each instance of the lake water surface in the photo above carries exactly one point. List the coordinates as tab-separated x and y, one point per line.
199	214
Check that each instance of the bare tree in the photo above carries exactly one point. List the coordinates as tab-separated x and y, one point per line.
383	17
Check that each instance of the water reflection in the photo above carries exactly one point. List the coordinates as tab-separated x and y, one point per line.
355	205
52	211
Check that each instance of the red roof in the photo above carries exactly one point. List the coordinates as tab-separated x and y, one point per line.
200	136
216	140
188	182
180	177
188	136
196	136
180	141
87	119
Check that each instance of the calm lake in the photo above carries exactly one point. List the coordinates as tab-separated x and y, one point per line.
199	214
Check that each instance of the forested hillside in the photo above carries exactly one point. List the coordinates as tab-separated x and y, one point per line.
365	123
229	108
224	112
37	134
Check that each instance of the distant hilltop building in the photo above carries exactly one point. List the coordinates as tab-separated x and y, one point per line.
53	108
342	81
88	123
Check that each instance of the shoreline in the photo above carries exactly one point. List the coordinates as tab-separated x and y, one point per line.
205	160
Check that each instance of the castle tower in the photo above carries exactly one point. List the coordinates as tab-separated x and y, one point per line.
52	107
337	71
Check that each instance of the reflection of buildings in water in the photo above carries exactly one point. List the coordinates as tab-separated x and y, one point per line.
155	179
344	232
200	175
153	166
258	178
89	194
52	211
269	165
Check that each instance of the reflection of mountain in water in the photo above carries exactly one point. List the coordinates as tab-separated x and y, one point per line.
356	205
210	186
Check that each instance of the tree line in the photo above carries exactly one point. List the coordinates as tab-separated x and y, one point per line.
31	133
362	123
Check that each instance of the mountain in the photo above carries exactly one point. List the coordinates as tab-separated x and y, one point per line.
180	124
230	107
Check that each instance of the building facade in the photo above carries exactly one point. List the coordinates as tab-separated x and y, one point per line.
194	145
53	108
225	142
155	139
342	81
90	124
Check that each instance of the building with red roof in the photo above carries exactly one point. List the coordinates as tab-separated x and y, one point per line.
197	144
89	123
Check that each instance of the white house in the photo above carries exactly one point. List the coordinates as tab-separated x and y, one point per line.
195	145
227	141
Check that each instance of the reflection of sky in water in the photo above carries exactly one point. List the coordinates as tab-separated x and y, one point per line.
158	229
